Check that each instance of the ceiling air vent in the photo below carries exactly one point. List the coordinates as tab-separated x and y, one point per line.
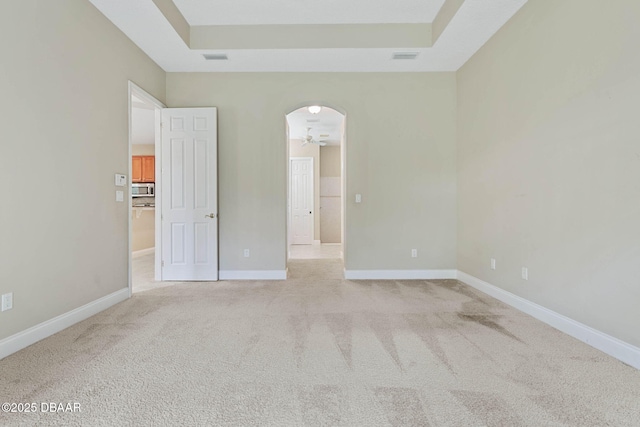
405	55
215	56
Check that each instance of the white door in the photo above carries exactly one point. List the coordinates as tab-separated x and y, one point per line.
301	200
189	194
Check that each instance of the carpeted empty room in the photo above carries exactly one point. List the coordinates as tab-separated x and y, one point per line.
319	350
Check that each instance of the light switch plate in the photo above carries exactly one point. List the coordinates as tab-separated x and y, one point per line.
358	198
121	180
7	301
119	196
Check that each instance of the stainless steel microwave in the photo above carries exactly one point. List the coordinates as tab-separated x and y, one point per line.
143	189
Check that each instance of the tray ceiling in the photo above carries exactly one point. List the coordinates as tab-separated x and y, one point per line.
309	36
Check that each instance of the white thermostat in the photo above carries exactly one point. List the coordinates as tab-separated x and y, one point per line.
121	180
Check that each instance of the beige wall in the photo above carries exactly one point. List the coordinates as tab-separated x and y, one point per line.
330	195
143	150
143	229
296	149
549	163
330	161
65	132
400	157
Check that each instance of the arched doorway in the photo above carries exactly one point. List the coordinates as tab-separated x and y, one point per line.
316	142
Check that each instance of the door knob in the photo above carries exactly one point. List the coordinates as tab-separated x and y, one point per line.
211	215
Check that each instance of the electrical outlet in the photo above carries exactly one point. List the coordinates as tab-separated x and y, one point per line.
525	273
493	263
7	301
246	253
414	253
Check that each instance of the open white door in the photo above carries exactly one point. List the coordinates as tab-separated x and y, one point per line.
189	194
301	200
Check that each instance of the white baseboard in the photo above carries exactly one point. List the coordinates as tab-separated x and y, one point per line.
252	275
612	346
45	329
399	274
142	252
316	242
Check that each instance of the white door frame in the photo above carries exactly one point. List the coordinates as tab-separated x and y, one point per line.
134	89
288	191
313	197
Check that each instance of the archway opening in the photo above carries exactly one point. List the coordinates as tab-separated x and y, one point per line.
316	140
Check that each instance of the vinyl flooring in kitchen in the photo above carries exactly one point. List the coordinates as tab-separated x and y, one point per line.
142	274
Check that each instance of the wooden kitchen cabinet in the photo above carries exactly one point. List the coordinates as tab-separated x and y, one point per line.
148	169
136	169
143	168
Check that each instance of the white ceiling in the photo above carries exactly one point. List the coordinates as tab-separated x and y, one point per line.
143	22
326	125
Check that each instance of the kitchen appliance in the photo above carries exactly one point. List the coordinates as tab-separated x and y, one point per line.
143	189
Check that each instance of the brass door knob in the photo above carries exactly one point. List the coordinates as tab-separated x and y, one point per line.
211	215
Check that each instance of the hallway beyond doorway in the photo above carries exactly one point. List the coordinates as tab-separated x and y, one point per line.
322	251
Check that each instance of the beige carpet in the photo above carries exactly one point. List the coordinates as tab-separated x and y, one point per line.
318	350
